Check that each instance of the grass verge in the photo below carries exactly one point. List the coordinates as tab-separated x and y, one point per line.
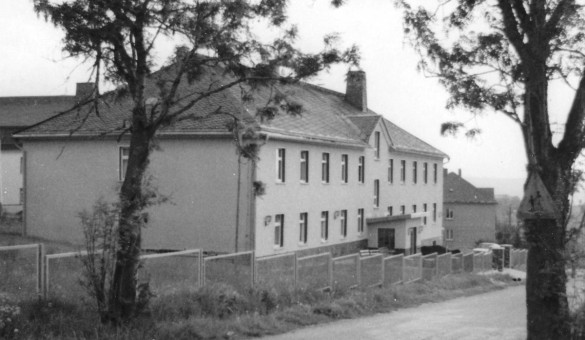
220	312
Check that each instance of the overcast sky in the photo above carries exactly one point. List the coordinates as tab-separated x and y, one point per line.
31	63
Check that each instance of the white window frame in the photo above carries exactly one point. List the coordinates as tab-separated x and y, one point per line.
362	169
377	145
414	208
449	214
303	227
435	172
426	172
124	155
343	223
391	170
376	193
324	226
449	234
344	168
425	216
390	210
414	172
304	166
325	159
402	210
434	212
403	171
280	165
360	219
279	231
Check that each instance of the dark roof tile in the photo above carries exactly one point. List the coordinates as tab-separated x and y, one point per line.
458	190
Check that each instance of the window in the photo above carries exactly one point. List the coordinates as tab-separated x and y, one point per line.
360	220
279	231
376	193
402	210
434	212
449	214
377	144
303	223
449	234
391	171
124	154
325	168
280	165
344	168
414	172
390	211
324	225
425	216
361	169
426	172
343	222
414	208
21	195
304	166
435	172
403	171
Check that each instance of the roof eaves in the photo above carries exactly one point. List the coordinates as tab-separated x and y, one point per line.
300	137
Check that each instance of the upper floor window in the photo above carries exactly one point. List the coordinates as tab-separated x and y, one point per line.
414	172
344	168
280	165
434	212
435	172
343	222
324	225
390	211
360	220
391	170
361	169
426	172
377	144
425	216
376	193
402	171
304	166
325	168
123	165
279	230
449	214
414	208
449	234
303	226
402	210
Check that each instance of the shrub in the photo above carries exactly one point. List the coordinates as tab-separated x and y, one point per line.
9	318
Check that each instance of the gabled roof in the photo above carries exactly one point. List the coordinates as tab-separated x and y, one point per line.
458	190
19	112
325	116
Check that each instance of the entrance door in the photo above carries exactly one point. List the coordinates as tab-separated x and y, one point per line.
413	240
386	238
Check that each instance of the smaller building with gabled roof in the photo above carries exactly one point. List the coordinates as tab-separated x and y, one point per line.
336	177
470	213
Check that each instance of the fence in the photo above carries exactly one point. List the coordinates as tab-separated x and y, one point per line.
24	263
59	275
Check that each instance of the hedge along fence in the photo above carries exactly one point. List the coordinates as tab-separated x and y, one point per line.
58	275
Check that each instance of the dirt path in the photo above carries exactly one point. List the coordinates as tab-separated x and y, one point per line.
495	315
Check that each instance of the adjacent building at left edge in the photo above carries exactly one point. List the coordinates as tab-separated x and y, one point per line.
338	177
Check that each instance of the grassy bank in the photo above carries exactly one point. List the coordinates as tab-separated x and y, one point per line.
219	312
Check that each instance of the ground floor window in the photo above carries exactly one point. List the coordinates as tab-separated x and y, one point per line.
303	227
324	225
279	230
449	234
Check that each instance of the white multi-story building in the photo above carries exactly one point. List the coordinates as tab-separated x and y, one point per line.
336	177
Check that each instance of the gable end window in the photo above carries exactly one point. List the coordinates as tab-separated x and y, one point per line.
377	144
279	231
325	168
123	164
304	166
280	165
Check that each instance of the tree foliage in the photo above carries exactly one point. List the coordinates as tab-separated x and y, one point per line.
501	56
120	37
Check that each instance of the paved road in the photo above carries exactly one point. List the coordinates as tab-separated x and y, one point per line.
496	315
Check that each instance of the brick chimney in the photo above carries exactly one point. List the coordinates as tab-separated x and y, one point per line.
356	91
83	91
459	172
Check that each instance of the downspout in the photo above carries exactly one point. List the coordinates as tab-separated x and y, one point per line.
238	201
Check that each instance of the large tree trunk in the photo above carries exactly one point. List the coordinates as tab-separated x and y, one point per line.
546	299
132	201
